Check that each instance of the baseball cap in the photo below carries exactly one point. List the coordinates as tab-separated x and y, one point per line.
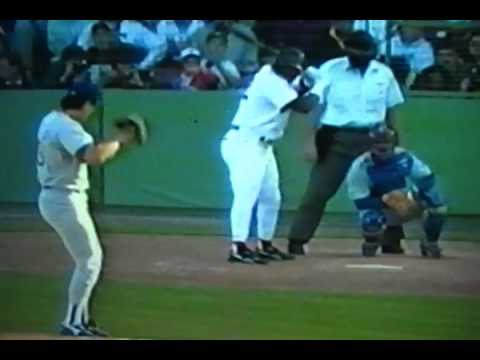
86	91
190	52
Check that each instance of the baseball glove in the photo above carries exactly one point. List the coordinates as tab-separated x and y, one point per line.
132	128
405	206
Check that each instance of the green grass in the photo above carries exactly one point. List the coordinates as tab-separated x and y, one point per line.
33	304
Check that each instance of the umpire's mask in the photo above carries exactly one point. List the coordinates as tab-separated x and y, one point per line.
361	49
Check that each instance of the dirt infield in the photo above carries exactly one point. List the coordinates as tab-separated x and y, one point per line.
332	266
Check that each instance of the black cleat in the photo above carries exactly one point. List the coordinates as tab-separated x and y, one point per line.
243	255
431	250
76	331
96	330
297	249
272	253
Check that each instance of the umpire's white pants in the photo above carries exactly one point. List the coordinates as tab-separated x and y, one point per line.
254	180
67	213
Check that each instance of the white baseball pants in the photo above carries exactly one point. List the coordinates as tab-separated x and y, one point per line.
254	180
67	213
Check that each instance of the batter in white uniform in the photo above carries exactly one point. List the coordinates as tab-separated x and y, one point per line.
64	151
247	149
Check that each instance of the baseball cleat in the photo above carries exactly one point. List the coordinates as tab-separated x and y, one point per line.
242	254
96	330
431	250
76	331
272	253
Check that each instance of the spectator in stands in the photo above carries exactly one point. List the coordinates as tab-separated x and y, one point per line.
411	44
242	47
178	33
472	80
12	74
70	68
194	75
216	61
64	33
86	41
4	46
378	30
449	59
110	68
7	28
12	71
30	41
434	78
133	32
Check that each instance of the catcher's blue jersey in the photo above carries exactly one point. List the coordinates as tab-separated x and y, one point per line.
370	179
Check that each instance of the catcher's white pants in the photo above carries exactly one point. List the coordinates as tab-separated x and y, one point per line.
67	213
254	180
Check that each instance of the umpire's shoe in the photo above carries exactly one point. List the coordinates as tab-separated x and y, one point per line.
297	249
240	253
393	249
265	250
431	250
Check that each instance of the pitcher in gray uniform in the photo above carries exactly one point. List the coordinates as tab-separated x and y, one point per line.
64	151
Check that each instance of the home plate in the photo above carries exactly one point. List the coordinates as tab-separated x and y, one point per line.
374	267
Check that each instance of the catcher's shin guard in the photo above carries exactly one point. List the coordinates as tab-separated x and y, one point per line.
373	224
433	224
370	246
434	221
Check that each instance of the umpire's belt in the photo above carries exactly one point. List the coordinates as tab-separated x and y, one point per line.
262	139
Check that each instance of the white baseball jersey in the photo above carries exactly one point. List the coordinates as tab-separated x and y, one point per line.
260	108
60	138
354	100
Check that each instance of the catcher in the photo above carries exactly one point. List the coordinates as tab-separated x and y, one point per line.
390	187
64	151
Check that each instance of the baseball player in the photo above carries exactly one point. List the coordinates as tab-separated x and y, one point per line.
64	151
247	149
389	187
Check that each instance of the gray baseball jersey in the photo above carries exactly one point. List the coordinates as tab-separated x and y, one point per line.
60	138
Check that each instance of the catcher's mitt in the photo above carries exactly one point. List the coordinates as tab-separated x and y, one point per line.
135	125
403	204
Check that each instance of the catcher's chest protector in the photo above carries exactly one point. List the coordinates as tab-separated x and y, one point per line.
390	175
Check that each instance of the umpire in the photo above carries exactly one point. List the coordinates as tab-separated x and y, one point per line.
359	94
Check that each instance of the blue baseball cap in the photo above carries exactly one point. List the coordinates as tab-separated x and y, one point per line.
86	91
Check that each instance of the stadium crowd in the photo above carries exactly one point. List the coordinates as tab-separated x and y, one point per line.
196	55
